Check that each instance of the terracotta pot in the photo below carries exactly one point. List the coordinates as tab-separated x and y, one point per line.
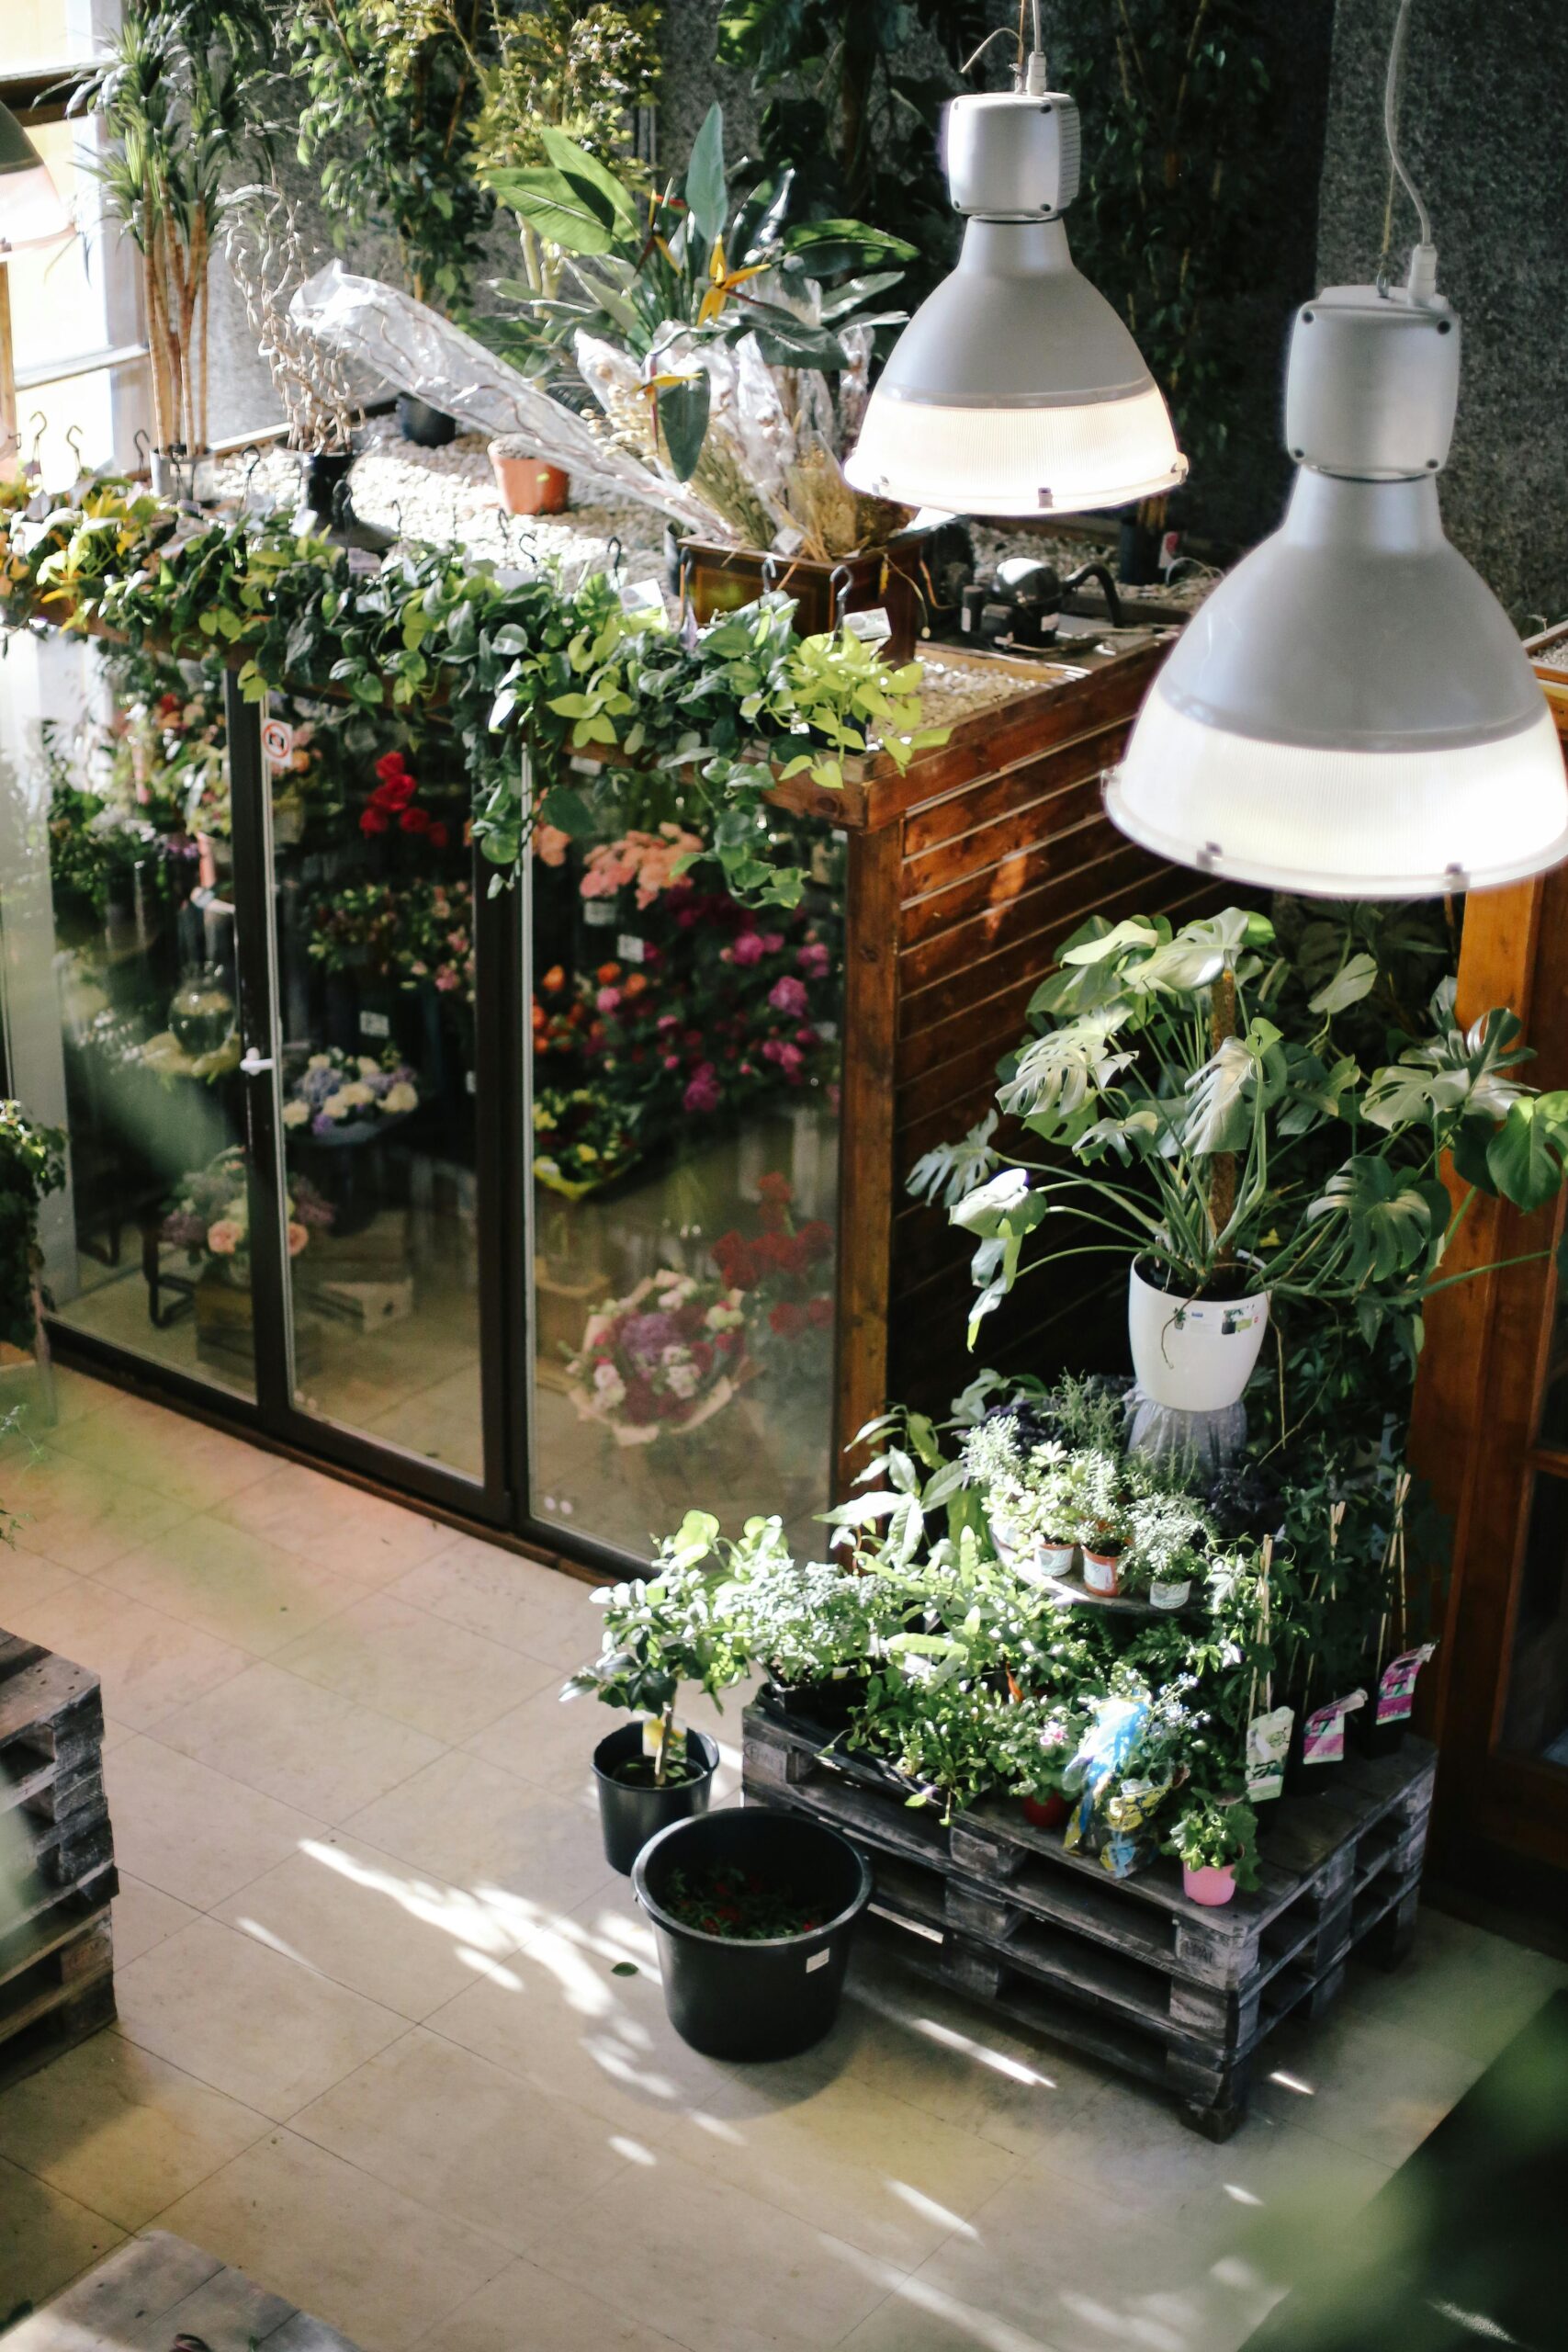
1102	1573
1047	1813
1211	1885
529	484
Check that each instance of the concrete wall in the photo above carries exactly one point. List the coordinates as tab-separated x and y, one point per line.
1483	132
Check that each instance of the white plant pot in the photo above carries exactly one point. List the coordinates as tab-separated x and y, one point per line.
1055	1559
1194	1355
1170	1592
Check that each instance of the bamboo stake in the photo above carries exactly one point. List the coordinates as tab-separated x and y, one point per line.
1222	1174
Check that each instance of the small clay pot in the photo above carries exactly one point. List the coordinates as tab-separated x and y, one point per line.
1048	1811
529	484
1102	1573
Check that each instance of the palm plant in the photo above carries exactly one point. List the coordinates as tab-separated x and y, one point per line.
1194	1137
176	92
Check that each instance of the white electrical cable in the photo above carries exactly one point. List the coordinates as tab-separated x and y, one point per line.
1391	117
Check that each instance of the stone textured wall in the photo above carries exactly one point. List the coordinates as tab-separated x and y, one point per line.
1483	134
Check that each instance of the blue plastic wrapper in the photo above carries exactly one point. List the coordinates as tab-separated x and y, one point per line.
1114	1809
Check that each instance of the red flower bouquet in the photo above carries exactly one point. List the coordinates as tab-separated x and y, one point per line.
785	1274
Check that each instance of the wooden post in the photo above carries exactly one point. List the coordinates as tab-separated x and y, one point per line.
10	446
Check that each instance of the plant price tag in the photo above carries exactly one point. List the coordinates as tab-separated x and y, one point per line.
644	596
1323	1735
1396	1686
871	626
375	1024
1267	1743
630	949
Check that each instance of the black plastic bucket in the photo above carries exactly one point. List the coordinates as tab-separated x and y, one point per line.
629	1817
767	1999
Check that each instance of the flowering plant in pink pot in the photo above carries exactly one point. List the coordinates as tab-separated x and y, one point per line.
664	1359
1215	1840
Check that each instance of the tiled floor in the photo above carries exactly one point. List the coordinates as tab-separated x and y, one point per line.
371	2048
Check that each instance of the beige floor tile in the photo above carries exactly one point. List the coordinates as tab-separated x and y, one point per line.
122	2131
148	1664
46	2238
548	1741
561	2318
374	1924
29	1577
418	1669
355	1535
1367	2085
477	1585
75	1396
145	1915
468	1821
304	1746
378	2265
1460	1986
134	1440
250	2021
233	1585
114	1734
716	2269
438	2124
192	1832
77	1511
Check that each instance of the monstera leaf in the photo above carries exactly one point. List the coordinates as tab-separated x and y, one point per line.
1393	1221
1526	1157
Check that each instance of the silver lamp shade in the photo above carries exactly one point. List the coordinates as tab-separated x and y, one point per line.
30	211
1350	714
1015	389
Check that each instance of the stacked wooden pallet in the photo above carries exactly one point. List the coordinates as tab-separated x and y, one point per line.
1129	1970
57	1870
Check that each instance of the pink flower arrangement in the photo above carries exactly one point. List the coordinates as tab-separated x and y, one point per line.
664	1358
648	859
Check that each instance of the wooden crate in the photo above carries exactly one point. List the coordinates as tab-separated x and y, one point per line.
56	1951
1129	1970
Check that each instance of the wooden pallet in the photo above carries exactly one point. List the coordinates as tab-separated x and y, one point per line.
56	1950
1128	1969
157	2291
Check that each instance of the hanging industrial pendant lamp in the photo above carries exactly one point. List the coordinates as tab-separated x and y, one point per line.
30	211
1350	714
1015	389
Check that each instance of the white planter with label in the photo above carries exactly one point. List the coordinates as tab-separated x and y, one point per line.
1170	1592
1102	1573
1196	1354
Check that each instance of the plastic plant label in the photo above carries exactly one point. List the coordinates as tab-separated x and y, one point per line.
871	627
630	949
470	1082
1397	1688
644	596
1323	1736
375	1024
817	1960
1267	1743
277	742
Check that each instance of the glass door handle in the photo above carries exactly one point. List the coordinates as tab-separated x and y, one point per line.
255	1065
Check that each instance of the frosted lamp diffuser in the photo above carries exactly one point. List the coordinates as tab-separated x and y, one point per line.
30	210
1058	459
1342	824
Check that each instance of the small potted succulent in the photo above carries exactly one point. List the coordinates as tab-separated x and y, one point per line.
1101	1522
660	1630
1215	1840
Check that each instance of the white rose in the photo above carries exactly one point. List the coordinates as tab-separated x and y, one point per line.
337	1106
295	1113
401	1097
608	1386
682	1378
357	1093
320	1061
369	1066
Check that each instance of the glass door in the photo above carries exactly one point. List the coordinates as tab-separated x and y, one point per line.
373	975
123	943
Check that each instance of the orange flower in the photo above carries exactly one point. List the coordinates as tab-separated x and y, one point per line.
634	984
554	980
606	973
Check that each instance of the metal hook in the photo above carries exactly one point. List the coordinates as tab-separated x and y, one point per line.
769	574
840	579
253	451
143	449
613	552
398	515
73	443
38	425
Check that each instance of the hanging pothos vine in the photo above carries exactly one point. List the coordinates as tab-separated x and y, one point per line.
532	676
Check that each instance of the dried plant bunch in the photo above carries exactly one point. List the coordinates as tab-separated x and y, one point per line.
270	258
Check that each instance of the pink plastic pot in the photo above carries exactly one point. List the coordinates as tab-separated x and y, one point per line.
1214	1884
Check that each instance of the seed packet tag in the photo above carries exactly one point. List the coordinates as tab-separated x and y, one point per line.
870	627
640	596
1323	1736
630	949
375	1024
1396	1689
1267	1743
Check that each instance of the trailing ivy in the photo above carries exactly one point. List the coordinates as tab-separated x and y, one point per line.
537	680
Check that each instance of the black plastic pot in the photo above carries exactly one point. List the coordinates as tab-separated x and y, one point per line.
829	1703
432	428
1303	1779
628	1815
326	502
1371	1738
768	1998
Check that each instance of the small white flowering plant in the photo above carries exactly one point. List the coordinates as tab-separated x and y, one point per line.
343	1098
663	1632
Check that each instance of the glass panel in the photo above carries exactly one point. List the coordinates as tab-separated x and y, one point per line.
1536	1721
121	1021
375	987
683	1097
44	32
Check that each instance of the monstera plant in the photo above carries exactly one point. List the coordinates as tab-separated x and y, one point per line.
1204	1119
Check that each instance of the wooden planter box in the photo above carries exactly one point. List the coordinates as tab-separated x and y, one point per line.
56	1954
1129	1970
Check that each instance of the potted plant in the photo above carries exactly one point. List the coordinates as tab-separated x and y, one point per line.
1102	1523
1215	1840
1033	1750
1165	1529
727	350
661	1632
1131	1756
811	1626
1029	1495
753	1912
1231	1163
